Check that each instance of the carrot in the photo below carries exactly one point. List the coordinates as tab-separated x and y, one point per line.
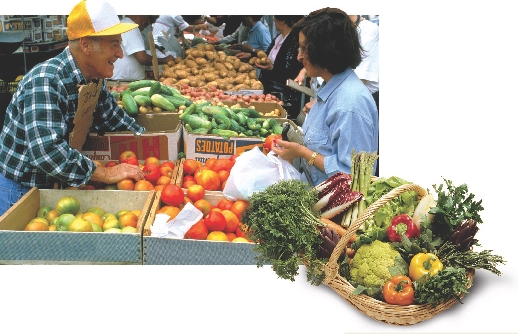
333	226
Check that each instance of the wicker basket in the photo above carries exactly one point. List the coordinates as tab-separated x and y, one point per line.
381	311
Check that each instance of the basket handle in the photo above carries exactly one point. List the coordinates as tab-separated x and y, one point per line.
331	268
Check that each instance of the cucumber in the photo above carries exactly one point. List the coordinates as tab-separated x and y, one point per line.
129	104
154	89
225	133
177	101
115	94
197	122
141	91
253	113
140	84
213	110
125	92
159	101
187	111
142	100
222	121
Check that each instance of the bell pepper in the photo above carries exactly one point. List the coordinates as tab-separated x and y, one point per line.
424	264
399	290
402	224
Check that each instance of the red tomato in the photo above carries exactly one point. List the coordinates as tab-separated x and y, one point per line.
267	145
172	195
215	221
151	172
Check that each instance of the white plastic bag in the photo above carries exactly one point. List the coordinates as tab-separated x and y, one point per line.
254	171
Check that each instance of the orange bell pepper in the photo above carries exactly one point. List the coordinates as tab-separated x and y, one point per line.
399	290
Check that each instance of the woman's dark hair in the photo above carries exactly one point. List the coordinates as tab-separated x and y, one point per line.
332	41
290	20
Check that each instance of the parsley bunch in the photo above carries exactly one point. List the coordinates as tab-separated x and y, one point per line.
282	224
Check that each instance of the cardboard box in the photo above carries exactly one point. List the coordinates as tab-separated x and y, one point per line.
165	251
24	247
203	147
162	139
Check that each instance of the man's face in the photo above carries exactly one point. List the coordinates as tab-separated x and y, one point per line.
104	51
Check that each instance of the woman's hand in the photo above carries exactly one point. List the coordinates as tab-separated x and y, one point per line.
287	150
268	66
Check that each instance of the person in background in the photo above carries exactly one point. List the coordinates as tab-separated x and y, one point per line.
282	64
34	147
368	70
172	25
344	115
133	65
258	39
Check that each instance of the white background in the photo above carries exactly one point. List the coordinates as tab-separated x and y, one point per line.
447	110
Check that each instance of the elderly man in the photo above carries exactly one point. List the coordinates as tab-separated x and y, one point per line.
34	147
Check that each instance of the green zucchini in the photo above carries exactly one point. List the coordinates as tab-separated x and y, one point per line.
115	94
142	100
253	113
124	92
129	104
197	122
140	83
159	101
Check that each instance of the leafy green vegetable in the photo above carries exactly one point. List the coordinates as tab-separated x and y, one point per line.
284	228
454	205
447	283
376	226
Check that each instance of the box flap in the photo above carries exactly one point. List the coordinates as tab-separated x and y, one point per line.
88	97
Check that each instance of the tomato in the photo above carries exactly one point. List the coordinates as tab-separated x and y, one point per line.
151	172
233	158
209	180
172	195
221	164
268	141
215	221
125	155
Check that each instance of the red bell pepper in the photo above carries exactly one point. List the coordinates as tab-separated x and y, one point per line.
402	224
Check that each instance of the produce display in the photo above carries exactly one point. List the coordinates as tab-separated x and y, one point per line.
148	96
156	174
404	248
220	222
206	118
67	216
211	175
203	66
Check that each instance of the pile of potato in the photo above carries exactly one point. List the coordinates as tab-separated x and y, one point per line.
205	67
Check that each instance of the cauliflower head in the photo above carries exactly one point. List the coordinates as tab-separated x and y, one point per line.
374	264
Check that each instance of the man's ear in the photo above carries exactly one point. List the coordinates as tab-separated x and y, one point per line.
85	44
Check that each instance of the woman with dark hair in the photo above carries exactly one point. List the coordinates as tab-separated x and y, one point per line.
282	64
344	116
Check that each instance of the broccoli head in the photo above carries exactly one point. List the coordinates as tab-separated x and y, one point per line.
374	264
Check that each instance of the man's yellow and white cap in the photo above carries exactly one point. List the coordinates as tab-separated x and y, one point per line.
95	18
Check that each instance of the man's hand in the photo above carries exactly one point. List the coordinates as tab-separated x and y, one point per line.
111	175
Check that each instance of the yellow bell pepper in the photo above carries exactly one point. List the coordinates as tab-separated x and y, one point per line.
424	264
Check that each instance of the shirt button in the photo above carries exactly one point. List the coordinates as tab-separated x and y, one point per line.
309	139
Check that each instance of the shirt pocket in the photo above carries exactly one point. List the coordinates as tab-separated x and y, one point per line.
316	137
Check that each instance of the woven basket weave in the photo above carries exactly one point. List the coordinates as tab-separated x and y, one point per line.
376	309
